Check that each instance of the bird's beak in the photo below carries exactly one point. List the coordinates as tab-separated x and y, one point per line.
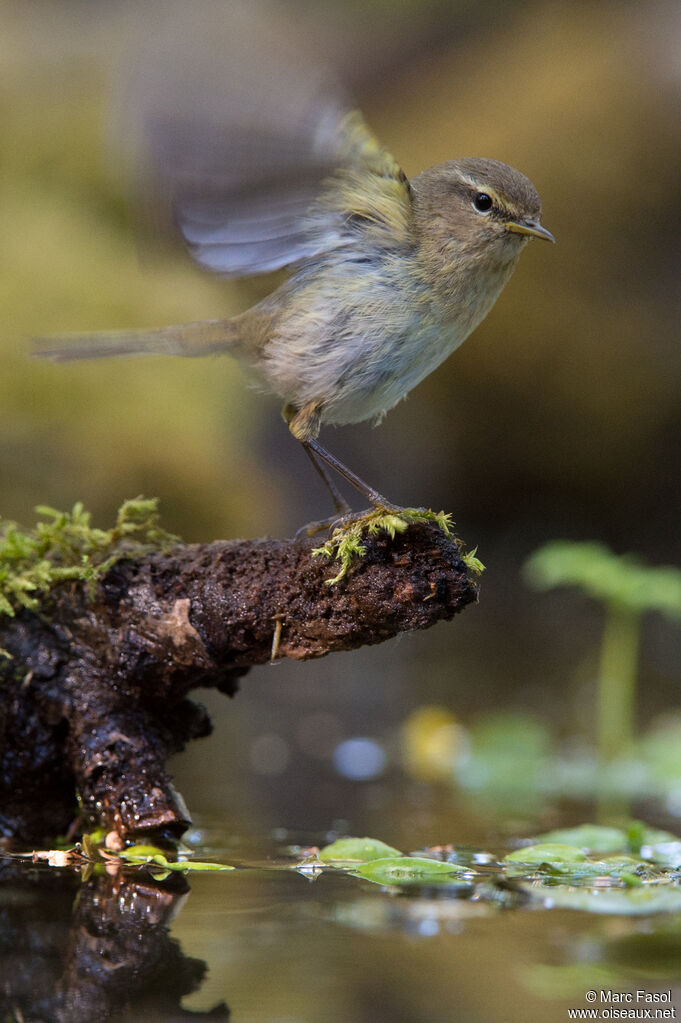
530	227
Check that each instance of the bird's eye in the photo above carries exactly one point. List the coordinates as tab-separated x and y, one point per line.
482	202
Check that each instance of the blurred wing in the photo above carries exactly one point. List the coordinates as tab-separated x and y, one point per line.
250	145
370	189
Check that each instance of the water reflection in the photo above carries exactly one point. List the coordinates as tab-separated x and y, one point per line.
74	951
292	940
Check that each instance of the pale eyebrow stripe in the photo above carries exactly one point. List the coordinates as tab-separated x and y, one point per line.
481	187
506	207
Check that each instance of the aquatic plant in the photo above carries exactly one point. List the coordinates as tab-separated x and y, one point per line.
627	589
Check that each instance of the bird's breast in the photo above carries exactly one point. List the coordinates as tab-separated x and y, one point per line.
358	339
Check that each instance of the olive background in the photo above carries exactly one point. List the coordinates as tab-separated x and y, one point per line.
560	417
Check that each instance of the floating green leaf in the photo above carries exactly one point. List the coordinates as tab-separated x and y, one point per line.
140	853
152	856
554	858
590	838
189	866
553	854
626	869
408	870
356	850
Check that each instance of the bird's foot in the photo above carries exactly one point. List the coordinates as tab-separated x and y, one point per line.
319	525
345	543
345	518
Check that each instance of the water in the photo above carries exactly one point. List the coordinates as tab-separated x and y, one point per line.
269	943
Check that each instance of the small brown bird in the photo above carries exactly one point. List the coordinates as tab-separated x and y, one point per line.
388	275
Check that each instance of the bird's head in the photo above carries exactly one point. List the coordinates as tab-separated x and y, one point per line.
476	209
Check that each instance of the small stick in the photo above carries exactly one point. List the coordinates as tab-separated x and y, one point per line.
276	638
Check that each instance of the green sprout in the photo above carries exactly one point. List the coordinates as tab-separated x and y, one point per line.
345	543
627	589
473	563
66	547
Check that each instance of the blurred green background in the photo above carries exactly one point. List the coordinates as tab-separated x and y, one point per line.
561	417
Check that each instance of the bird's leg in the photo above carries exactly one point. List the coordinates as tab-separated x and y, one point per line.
304	425
340	504
347	529
342	507
373	496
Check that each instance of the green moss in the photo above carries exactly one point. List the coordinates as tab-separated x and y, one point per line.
345	543
66	547
473	563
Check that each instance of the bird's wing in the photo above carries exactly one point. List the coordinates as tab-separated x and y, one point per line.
369	190
252	146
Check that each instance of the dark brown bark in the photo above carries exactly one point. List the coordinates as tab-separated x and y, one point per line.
94	697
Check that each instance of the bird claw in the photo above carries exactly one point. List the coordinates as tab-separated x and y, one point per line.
376	512
318	526
350	518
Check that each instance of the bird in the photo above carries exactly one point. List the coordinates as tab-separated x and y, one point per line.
387	274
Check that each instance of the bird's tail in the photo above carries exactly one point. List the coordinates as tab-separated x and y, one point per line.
189	339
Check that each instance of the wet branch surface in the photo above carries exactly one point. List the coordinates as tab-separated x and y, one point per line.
94	697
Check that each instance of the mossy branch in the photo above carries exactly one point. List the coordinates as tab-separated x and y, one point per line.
67	548
346	543
108	631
